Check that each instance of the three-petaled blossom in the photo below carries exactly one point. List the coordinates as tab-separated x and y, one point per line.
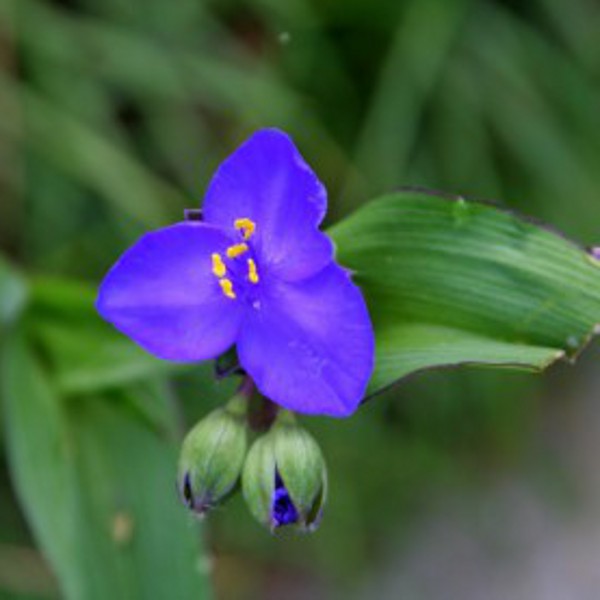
256	272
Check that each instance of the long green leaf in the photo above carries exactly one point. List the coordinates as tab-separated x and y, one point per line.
451	282
422	45
86	353
97	488
90	157
12	292
38	452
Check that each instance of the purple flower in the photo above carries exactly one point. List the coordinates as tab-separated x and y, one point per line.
256	272
283	512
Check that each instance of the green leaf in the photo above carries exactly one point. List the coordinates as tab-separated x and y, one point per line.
91	158
37	447
12	292
87	354
450	282
97	489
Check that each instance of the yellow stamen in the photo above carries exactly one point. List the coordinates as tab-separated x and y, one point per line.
237	250
246	226
252	272
218	266
227	288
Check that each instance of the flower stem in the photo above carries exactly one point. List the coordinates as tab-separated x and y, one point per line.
247	387
240	402
263	414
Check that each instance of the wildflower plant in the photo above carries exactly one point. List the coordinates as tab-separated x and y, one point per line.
106	106
256	273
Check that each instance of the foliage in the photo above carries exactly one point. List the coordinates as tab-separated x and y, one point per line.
453	282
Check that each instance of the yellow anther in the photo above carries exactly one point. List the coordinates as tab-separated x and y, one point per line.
227	288
252	272
237	250
218	266
246	226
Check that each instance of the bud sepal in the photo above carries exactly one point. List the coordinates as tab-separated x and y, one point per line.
212	456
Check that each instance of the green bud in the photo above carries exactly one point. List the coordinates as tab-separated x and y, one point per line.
212	456
285	479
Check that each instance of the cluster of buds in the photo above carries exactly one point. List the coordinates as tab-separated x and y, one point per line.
282	473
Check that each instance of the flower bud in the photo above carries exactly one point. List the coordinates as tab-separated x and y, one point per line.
212	456
285	479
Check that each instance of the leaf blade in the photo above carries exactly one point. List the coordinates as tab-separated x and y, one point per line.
87	354
96	487
477	283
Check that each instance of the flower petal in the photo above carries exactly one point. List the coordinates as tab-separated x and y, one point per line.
266	180
162	293
309	347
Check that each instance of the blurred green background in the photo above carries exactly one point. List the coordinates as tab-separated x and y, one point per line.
113	115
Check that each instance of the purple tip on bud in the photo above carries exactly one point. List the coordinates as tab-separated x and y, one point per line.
285	478
283	510
595	252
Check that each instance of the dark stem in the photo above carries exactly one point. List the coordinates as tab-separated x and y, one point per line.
247	388
262	414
